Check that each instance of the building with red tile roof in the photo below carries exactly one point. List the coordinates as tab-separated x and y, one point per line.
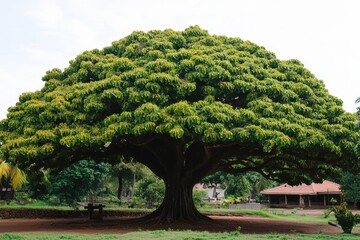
305	196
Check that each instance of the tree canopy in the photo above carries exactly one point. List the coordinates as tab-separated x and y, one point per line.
185	104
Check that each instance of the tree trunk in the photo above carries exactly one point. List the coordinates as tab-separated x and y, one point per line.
214	195
119	190
180	167
133	187
178	205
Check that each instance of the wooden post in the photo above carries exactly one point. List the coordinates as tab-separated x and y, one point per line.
324	200
309	201
269	199
286	200
301	201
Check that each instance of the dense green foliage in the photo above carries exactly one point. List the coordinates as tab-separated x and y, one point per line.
149	191
187	85
127	174
186	104
38	184
237	186
78	180
350	184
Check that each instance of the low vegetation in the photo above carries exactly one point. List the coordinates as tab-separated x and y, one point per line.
346	219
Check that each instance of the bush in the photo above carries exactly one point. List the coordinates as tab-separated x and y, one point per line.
22	198
230	200
149	192
346	219
198	197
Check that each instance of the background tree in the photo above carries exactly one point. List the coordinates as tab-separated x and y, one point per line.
149	191
127	173
350	184
243	185
350	180
214	181
38	184
185	104
237	186
77	181
257	184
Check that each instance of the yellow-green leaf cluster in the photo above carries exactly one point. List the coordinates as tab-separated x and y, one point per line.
187	85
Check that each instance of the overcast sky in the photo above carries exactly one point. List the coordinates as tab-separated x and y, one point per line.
39	35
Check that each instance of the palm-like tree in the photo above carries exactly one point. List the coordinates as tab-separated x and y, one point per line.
13	174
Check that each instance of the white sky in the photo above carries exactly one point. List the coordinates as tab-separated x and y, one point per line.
39	35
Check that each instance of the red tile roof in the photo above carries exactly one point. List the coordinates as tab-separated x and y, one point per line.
326	187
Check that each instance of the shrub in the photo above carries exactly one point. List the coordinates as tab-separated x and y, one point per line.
231	200
22	198
149	193
198	197
346	219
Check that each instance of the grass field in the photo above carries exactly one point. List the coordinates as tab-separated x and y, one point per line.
176	235
291	215
274	214
35	204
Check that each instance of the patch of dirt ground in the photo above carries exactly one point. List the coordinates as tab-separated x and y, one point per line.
128	224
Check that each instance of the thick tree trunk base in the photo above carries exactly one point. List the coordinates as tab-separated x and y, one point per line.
178	205
160	215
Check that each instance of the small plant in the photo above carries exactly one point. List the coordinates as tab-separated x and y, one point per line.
327	212
238	229
294	211
22	198
278	212
224	203
333	201
346	219
198	197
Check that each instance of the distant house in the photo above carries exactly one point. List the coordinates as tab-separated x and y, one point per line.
315	195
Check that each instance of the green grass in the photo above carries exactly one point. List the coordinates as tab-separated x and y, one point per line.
275	214
241	212
39	204
176	235
35	204
269	214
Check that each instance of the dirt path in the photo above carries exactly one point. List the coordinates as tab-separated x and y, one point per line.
127	224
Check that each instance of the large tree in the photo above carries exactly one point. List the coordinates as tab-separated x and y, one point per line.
185	104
